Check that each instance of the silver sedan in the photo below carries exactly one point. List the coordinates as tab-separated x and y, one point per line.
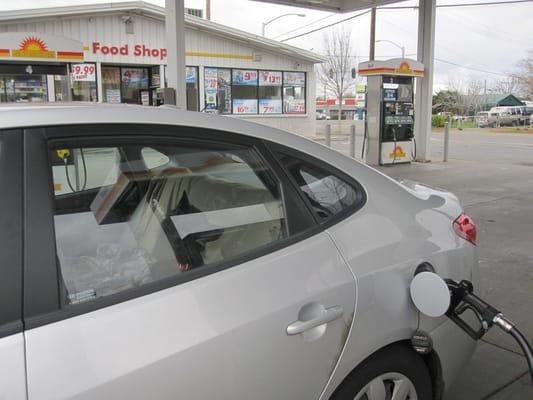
150	253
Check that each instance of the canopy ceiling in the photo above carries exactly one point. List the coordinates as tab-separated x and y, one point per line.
332	5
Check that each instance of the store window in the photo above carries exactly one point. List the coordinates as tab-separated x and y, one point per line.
3	95
244	90
270	83
191	78
294	92
24	88
111	84
133	80
79	85
217	89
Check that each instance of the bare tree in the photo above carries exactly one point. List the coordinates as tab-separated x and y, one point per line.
507	86
524	76
474	99
334	73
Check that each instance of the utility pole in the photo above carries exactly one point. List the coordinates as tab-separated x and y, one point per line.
372	33
208	10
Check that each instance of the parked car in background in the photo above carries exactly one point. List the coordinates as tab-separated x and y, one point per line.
482	119
153	253
506	116
321	115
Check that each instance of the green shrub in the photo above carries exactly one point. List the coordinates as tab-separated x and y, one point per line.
438	121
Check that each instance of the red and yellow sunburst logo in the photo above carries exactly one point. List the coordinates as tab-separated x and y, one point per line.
398	152
32	46
405	68
33	43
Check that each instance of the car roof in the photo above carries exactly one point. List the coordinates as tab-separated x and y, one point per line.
56	114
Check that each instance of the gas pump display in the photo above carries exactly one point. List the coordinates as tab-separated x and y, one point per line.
389	126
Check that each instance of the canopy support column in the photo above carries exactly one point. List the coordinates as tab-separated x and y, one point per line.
175	34
424	90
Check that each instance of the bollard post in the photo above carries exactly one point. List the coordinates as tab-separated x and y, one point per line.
446	140
328	135
352	141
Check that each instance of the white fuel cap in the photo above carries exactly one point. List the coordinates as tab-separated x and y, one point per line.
430	294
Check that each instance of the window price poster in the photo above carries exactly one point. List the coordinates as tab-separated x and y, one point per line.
269	106
210	83
270	78
295	106
244	106
244	77
83	72
294	78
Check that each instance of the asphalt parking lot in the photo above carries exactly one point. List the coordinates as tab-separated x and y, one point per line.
492	174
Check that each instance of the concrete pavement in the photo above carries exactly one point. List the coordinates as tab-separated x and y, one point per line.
492	174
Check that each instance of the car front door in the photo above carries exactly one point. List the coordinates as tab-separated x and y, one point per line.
174	266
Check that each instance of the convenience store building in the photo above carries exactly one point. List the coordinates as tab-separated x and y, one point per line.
116	53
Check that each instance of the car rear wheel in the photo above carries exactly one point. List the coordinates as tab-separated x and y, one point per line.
394	373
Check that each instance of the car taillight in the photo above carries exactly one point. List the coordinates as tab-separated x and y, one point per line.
465	227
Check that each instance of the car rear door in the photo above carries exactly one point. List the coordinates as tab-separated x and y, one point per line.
12	368
230	291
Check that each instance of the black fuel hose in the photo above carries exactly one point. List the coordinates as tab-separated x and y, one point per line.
526	348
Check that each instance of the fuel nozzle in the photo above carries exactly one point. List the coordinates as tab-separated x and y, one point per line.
434	297
463	299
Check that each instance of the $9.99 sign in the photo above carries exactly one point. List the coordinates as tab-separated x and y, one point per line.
83	72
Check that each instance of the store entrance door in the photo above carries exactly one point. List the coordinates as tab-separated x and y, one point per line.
27	83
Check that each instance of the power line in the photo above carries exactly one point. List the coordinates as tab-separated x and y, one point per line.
305	26
327	26
471	68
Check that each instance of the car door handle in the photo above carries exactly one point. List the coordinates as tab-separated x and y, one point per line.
329	315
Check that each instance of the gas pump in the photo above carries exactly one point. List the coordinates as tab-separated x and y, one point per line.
390	114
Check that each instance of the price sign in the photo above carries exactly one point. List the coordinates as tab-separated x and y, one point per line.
244	106
270	78
83	72
244	77
270	106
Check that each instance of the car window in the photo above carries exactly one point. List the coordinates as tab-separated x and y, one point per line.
327	193
205	206
154	158
78	169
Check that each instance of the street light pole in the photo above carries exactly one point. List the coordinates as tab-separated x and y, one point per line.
402	48
264	24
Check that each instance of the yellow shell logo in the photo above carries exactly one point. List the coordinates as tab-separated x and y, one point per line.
32	46
398	152
404	68
33	43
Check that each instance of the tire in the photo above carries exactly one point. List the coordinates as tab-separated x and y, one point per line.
386	368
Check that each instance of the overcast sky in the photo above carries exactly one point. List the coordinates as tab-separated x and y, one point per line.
491	39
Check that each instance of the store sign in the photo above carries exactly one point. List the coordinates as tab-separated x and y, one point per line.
138	50
244	77
244	106
270	78
190	75
33	46
395	66
83	72
294	78
269	106
295	106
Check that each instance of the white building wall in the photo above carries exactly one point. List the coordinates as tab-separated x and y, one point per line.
217	51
